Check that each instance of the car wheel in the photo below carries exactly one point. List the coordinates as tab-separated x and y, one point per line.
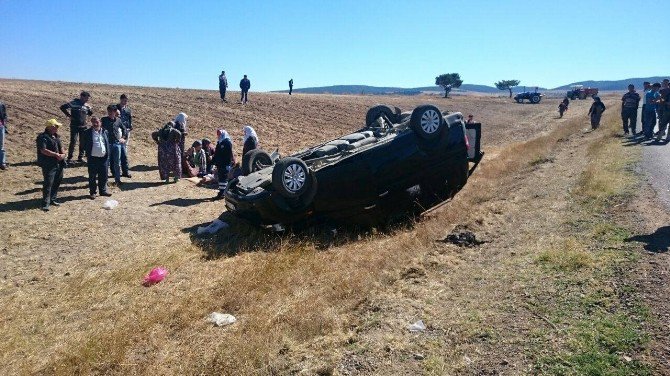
519	100
535	99
427	122
291	177
381	109
255	160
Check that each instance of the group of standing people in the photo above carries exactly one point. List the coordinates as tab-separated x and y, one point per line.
655	110
245	85
104	143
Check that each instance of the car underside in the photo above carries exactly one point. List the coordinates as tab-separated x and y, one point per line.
396	163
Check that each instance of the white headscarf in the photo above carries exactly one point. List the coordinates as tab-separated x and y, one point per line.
182	119
223	135
250	132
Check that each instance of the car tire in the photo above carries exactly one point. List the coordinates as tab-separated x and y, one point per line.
427	122
519	100
291	177
255	160
535	99
381	109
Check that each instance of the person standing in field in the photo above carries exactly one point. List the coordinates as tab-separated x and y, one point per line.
596	111
3	132
169	155
126	115
290	86
180	124
78	112
649	110
563	106
223	160
96	144
245	85
646	87
629	104
51	158
662	109
223	85
116	132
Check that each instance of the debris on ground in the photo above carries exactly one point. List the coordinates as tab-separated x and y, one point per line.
155	275
418	326
110	204
463	238
212	227
419	356
413	273
221	319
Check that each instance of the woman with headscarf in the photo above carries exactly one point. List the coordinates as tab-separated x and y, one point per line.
596	111
169	154
223	160
250	140
180	125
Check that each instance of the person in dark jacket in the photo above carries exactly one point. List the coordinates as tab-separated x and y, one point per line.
116	132
3	132
629	104
245	85
78	112
223	85
97	147
596	111
290	86
563	106
126	115
223	160
250	140
51	158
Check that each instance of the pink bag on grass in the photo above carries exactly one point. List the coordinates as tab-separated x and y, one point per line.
155	275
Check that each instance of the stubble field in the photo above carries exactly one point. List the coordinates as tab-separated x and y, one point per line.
70	293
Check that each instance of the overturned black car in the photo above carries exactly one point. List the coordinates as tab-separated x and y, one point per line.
421	156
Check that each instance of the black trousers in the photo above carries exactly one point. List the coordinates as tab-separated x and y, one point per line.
629	117
243	98
53	175
290	90
97	174
222	93
75	133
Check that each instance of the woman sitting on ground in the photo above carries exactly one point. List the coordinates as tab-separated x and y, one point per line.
250	140
169	154
223	160
195	161
209	153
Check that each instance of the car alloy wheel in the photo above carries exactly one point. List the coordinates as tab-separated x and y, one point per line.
294	178
430	121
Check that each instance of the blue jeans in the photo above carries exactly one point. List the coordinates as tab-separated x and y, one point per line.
2	146
649	116
115	160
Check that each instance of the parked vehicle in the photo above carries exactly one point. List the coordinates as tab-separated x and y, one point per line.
361	177
532	96
580	92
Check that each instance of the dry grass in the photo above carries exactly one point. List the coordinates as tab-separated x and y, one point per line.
71	299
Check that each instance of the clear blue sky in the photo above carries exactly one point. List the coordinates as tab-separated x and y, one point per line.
396	43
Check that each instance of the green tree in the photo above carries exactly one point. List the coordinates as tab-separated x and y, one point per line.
448	81
507	85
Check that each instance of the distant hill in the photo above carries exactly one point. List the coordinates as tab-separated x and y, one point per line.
613	85
383	90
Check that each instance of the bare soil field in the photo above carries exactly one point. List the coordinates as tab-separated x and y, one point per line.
71	300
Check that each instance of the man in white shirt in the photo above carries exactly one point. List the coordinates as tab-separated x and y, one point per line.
96	144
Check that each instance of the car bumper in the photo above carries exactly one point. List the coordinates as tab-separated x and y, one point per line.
261	208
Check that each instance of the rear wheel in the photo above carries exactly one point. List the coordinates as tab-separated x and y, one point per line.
381	109
291	177
255	160
427	122
535	98
519	100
